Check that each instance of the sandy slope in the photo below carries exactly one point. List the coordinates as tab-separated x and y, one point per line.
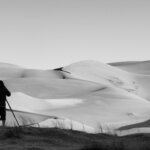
88	92
139	67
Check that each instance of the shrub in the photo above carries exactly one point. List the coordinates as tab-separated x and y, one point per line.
14	132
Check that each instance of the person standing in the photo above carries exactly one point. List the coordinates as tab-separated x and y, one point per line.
3	93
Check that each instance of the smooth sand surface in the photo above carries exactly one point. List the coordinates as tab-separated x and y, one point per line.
89	94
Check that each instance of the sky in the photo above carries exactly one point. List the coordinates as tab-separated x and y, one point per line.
46	34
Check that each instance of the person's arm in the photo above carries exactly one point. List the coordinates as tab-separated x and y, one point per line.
7	92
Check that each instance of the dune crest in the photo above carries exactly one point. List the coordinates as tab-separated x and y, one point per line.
111	95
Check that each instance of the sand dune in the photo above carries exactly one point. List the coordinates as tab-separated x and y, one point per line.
88	92
139	67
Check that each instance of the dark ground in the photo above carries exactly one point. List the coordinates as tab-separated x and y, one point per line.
59	139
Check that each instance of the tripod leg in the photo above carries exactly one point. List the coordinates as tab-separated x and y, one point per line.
13	113
3	123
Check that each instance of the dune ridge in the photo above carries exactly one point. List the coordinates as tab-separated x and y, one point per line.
110	95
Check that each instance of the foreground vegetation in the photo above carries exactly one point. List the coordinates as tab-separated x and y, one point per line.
59	139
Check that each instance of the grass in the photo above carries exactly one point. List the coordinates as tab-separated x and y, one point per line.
29	138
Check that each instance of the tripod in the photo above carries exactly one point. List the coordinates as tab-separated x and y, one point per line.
12	113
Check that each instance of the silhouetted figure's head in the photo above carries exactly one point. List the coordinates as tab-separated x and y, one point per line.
1	84
3	90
